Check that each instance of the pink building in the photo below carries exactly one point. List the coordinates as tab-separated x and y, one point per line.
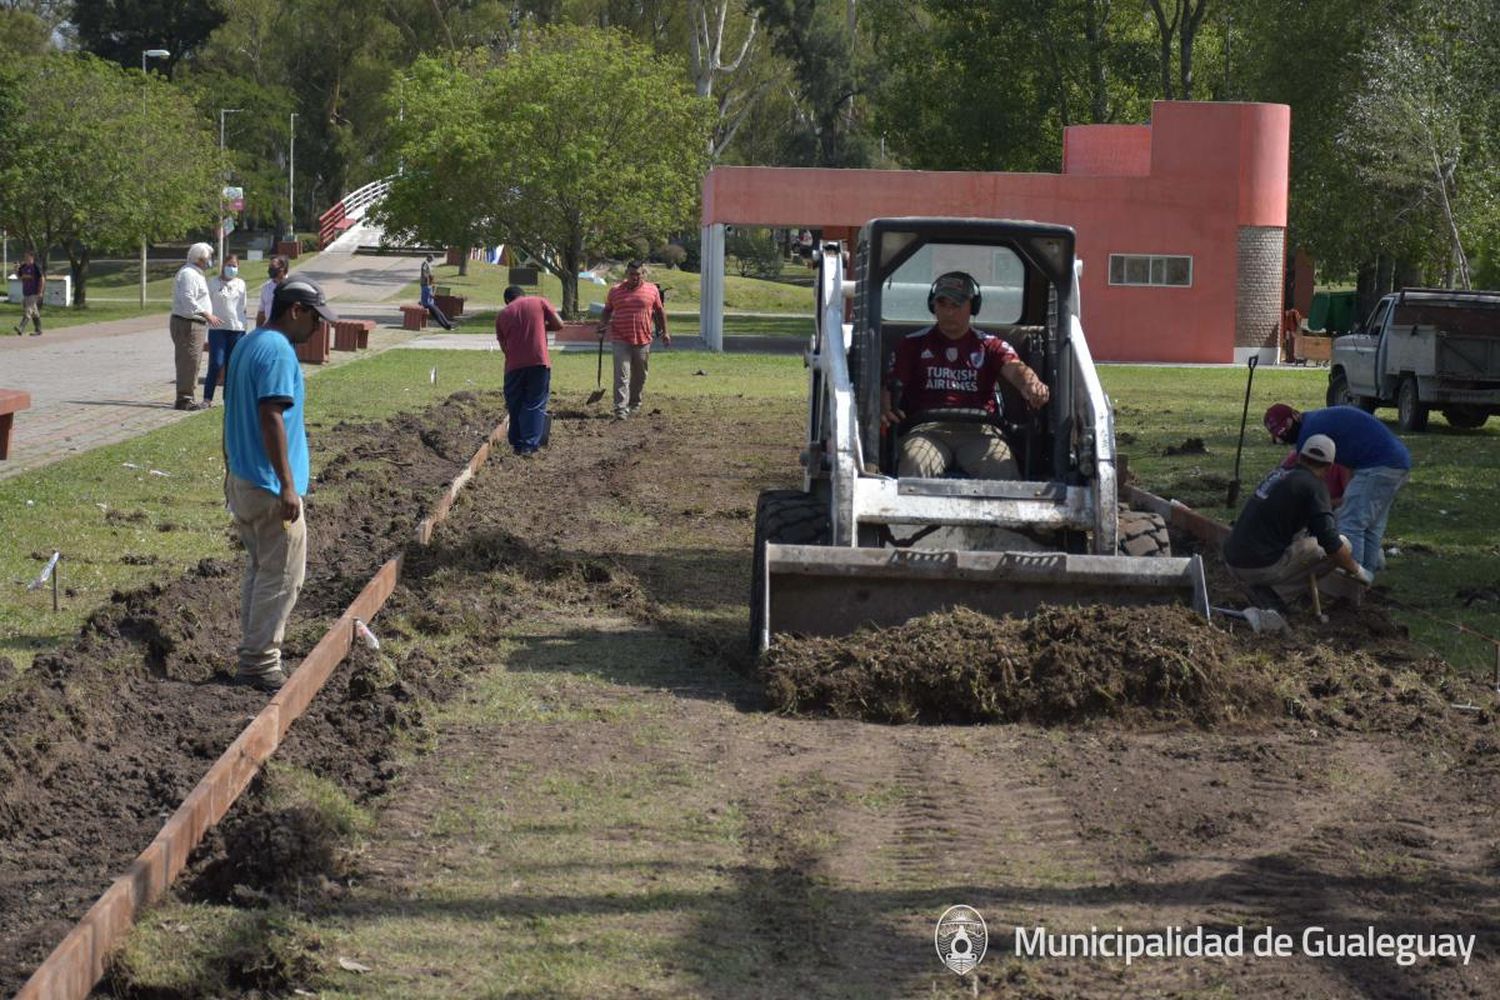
1181	224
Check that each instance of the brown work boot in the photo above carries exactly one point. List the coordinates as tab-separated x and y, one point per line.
271	680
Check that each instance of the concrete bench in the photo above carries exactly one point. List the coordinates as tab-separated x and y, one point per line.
11	402
315	350
352	334
413	317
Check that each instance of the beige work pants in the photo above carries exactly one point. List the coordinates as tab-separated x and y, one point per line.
31	309
631	362
275	565
929	450
187	345
1290	575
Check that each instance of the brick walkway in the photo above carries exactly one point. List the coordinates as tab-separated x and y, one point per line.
100	383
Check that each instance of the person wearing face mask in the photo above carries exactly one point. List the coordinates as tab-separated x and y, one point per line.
227	290
276	271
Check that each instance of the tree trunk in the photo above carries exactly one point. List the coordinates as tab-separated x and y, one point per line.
463	262
1365	295
572	256
78	266
1385	274
1096	33
1165	30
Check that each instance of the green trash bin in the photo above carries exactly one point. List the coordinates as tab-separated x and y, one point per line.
1332	312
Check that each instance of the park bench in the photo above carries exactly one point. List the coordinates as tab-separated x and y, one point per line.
413	317
315	350
352	334
11	401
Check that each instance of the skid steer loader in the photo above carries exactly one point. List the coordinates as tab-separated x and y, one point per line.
859	544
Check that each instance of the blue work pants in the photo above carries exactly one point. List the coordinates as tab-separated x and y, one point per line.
526	393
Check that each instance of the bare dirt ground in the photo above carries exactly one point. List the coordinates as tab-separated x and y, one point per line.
100	741
609	805
1317	780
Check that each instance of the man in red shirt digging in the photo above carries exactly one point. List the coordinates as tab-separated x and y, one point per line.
953	366
521	327
632	311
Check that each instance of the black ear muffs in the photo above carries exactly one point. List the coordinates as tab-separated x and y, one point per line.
975	298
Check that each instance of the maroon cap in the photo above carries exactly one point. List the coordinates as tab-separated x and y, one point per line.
1279	421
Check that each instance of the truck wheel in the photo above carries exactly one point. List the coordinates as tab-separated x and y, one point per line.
1466	418
1143	534
786	517
1339	394
1411	412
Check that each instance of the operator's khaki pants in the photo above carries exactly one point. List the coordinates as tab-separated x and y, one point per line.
929	450
275	564
187	345
1289	576
31	309
631	362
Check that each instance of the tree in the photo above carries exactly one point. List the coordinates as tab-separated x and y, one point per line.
578	175
711	67
1183	24
124	167
120	30
1412	128
446	165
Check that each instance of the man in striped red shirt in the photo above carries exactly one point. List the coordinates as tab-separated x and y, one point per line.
632	310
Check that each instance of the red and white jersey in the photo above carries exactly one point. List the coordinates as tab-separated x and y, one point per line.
933	371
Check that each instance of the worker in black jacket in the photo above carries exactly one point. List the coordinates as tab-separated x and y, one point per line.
1286	532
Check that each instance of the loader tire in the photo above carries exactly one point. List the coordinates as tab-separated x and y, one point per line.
1143	534
784	517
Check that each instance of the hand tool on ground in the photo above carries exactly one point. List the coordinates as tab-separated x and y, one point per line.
1317	598
1259	619
598	393
1234	487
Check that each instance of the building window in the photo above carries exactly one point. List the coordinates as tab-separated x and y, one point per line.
1150	269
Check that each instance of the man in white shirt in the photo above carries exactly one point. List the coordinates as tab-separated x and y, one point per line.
276	270
227	292
192	311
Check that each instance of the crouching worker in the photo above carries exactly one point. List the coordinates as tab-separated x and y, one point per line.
1286	534
951	365
265	448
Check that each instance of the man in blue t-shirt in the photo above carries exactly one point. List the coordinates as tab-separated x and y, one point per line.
1380	462
265	449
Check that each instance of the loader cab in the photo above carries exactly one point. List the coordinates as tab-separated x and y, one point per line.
1025	275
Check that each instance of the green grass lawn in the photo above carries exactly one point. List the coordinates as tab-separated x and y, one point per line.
485	284
680	323
1442	522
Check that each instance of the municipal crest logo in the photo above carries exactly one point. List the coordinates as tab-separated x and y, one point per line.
961	938
952	354
976	359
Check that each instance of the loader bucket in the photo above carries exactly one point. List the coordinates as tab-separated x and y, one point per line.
832	591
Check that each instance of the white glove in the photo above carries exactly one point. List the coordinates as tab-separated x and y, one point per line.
1365	577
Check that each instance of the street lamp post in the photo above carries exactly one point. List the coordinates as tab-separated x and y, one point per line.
219	222
146	54
291	180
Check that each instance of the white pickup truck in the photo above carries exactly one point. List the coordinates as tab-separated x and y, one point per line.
1423	349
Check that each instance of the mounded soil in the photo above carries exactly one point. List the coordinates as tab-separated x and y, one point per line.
101	740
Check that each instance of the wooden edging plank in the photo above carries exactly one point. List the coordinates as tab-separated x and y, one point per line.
81	958
1177	515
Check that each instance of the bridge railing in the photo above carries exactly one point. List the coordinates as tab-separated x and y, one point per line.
350	208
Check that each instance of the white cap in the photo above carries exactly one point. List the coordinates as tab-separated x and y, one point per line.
1319	448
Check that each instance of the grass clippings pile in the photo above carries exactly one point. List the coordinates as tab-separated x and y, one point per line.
1132	665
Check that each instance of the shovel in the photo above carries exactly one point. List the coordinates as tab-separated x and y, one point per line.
1259	619
1234	487
598	393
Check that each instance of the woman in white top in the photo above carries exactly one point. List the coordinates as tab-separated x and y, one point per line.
227	290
